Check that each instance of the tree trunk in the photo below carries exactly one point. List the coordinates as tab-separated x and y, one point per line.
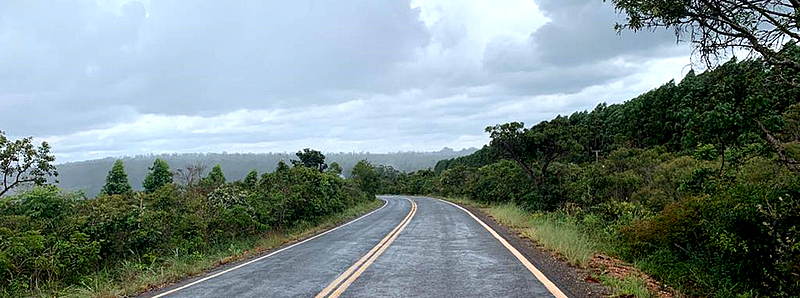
529	171
776	145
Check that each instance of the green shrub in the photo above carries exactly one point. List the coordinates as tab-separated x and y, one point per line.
502	182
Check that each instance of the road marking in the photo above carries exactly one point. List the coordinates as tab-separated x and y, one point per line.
367	259
539	275
385	202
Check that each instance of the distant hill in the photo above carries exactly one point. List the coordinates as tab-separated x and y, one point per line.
90	175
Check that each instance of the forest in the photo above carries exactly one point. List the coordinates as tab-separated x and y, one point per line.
694	182
55	242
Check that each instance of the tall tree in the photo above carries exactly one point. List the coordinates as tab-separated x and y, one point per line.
768	28
366	177
216	177
159	176
117	180
717	28
510	141
22	163
541	144
311	158
251	180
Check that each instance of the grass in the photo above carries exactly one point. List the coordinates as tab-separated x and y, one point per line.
139	275
553	232
630	286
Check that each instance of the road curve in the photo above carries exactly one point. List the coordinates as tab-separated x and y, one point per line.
428	248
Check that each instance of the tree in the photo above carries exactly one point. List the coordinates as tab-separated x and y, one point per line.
21	163
766	27
366	177
335	169
311	159
190	175
216	177
251	180
510	141
457	180
117	180
541	144
719	27
159	176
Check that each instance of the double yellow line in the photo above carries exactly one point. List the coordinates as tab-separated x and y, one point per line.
336	287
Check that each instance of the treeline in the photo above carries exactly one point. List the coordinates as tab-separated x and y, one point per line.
88	175
51	238
695	182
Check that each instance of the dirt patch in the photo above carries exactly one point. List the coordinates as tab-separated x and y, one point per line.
606	265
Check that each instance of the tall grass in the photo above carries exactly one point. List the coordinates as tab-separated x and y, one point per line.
554	232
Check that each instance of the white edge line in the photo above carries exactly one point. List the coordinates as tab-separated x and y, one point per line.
385	202
538	274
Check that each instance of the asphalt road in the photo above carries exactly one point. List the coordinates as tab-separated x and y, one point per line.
427	248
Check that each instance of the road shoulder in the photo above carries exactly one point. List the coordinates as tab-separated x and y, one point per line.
572	281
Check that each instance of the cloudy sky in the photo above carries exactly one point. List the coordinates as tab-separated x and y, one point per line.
99	78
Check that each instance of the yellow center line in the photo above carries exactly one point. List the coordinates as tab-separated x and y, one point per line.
372	259
369	257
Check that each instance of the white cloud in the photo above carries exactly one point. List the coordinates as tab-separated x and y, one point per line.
117	77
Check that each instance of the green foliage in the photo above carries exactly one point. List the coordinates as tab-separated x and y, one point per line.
215	178
22	163
696	182
86	174
717	28
456	181
251	180
311	158
117	180
335	168
54	238
365	177
541	144
159	176
482	157
501	182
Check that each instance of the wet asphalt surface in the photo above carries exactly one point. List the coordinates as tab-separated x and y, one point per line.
442	252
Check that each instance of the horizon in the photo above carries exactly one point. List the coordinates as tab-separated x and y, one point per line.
263	153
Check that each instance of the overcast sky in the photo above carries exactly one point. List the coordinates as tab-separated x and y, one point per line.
99	78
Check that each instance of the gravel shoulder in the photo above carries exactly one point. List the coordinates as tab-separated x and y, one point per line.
574	282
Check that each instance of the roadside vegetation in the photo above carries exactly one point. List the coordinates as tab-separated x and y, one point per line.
694	183
59	243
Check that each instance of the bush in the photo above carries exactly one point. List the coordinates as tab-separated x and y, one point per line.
50	237
501	182
743	238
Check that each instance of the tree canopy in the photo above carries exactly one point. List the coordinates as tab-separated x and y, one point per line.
716	28
216	177
365	177
335	168
159	176
23	163
117	180
311	158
